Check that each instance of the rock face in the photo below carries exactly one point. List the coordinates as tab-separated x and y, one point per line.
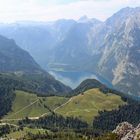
120	56
127	132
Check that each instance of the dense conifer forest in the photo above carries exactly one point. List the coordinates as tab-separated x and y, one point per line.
108	120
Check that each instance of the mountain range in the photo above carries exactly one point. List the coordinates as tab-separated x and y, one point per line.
19	70
13	58
110	48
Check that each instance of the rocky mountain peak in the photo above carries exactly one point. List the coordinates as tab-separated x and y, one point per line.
85	19
119	18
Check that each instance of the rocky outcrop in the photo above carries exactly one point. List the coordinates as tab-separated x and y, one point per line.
119	60
126	131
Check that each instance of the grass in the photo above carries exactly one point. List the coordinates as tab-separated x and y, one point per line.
29	105
25	131
61	135
84	106
87	105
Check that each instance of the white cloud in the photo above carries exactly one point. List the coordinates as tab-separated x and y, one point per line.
13	10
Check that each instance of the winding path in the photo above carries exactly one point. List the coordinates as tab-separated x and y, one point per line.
19	112
34	118
26	107
63	104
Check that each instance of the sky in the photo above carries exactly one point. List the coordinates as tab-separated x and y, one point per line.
49	10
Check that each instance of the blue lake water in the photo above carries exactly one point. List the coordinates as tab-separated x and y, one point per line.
74	78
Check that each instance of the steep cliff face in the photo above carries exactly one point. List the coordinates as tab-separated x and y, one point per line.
126	131
120	57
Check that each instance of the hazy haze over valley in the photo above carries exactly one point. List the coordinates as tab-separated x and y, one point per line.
109	49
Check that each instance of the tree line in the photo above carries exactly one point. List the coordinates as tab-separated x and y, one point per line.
108	120
54	122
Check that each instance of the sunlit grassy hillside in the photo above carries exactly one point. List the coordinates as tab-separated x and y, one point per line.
27	104
87	104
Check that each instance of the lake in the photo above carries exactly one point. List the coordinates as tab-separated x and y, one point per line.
74	78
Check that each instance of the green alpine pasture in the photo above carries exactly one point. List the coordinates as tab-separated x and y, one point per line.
30	105
87	104
84	106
